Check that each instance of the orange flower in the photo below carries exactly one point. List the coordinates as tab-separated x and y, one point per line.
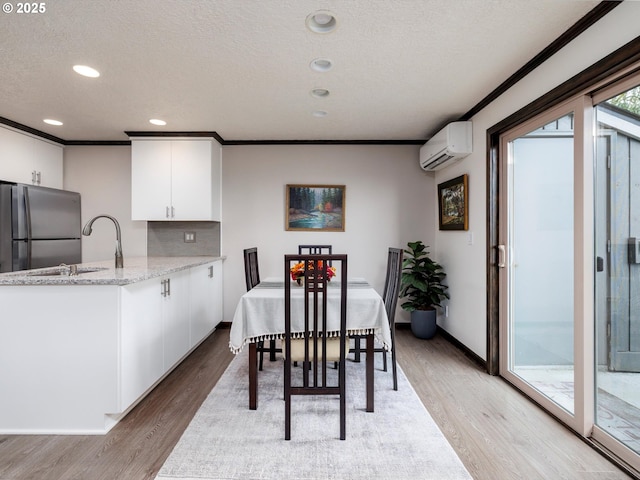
297	271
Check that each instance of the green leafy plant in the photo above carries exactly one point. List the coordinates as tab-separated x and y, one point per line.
421	279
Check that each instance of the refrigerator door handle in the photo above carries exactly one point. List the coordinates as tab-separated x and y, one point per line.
28	224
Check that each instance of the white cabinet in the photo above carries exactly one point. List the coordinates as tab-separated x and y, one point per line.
175	179
162	319
25	159
206	300
175	318
75	358
141	345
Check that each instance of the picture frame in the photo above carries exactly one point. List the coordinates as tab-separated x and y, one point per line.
315	208
453	204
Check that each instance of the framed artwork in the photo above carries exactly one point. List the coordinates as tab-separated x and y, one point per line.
315	208
453	204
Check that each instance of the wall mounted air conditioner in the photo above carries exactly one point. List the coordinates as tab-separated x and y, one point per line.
449	145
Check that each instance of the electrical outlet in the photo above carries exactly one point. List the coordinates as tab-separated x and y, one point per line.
189	237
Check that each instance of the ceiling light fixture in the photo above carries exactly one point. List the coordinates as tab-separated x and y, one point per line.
320	93
321	65
156	121
51	121
86	71
321	21
319	113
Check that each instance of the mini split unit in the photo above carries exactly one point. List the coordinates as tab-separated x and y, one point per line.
449	145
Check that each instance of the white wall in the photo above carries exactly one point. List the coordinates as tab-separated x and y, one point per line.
102	175
389	202
464	263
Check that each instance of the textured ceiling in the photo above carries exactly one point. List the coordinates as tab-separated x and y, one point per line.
240	68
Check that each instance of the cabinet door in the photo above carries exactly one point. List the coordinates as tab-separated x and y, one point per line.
191	179
218	277
150	180
24	159
14	156
175	318
47	163
216	181
141	339
203	301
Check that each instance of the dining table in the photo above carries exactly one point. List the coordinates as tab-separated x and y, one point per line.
259	316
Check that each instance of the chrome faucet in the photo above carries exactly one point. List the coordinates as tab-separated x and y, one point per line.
87	231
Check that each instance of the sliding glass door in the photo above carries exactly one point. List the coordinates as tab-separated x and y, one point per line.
617	393
538	259
569	263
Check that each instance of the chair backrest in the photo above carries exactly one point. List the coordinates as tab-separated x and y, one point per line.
314	249
318	328
392	282
251	272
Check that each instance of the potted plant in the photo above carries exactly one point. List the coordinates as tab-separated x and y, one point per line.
422	286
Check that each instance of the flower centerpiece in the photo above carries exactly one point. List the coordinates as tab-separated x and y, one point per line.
297	271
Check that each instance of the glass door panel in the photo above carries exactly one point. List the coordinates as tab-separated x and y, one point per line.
617	297
540	269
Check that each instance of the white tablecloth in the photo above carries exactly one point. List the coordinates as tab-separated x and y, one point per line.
260	312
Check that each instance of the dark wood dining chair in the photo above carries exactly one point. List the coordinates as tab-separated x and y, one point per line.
252	278
309	340
390	299
314	249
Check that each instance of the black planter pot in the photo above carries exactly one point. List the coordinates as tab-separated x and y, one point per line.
423	323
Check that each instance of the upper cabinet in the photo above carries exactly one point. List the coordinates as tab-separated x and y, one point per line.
177	179
26	159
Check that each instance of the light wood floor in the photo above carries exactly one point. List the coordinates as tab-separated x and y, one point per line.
497	433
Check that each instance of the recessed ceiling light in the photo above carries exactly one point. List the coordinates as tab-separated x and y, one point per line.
319	113
321	21
51	121
320	93
86	71
321	65
157	121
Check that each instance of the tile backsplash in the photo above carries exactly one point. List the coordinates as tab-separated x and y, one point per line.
167	239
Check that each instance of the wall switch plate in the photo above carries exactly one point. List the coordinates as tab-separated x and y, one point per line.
189	237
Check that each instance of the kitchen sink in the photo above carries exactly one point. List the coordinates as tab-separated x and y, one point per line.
65	272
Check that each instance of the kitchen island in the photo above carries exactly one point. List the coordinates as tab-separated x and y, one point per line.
78	352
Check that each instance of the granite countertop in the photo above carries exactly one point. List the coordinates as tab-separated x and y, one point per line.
136	269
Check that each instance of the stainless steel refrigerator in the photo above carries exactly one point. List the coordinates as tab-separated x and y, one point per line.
39	227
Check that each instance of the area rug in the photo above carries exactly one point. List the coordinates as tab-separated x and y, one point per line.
226	440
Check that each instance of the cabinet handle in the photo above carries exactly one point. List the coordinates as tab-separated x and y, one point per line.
211	271
167	212
168	280
33	177
38	177
173	212
502	256
163	289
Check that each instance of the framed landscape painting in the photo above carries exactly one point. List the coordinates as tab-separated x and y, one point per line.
315	208
453	204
